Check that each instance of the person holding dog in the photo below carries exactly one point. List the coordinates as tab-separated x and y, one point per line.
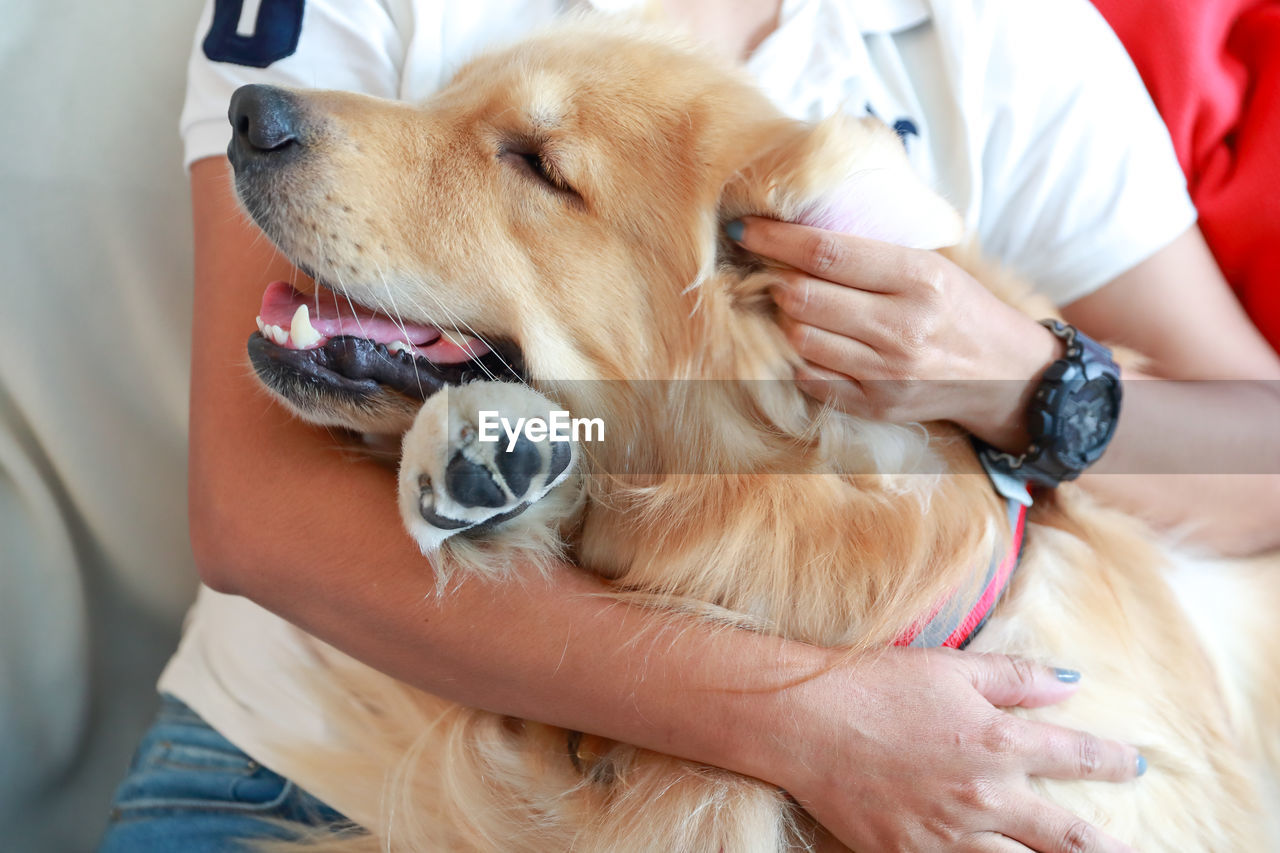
953	774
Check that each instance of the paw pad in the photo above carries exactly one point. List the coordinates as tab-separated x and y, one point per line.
453	483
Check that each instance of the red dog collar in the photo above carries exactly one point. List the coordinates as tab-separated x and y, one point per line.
958	619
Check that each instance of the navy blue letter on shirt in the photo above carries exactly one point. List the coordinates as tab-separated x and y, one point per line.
275	35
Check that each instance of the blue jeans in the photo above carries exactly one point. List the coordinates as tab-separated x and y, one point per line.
189	790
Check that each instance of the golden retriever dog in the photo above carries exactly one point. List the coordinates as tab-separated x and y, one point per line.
546	234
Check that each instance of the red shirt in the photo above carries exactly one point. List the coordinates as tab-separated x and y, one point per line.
1213	70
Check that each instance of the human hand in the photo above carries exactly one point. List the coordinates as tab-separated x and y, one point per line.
900	335
924	759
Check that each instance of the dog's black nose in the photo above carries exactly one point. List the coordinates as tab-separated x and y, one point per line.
264	120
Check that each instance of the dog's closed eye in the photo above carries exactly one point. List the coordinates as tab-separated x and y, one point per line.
529	158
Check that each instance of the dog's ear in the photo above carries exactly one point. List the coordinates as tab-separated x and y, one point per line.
844	174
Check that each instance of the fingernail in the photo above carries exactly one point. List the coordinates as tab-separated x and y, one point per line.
735	230
1066	676
1142	765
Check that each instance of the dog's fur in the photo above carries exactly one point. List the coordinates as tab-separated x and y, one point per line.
622	272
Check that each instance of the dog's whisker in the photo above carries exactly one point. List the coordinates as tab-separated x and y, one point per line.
515	373
355	313
341	287
398	320
453	321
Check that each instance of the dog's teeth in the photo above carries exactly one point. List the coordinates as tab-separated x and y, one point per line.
278	335
261	325
397	346
301	332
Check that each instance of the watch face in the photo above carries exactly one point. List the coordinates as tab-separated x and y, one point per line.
1086	421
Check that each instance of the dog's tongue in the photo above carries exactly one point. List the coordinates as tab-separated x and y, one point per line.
330	316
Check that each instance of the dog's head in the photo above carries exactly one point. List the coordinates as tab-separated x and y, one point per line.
555	213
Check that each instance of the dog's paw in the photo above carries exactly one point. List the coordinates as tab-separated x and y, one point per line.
467	470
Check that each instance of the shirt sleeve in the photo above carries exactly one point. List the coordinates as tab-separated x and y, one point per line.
353	45
1081	182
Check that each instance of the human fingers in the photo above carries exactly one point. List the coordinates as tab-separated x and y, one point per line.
833	351
1049	750
1046	828
888	401
846	394
828	386
1008	682
836	308
992	842
1061	753
841	258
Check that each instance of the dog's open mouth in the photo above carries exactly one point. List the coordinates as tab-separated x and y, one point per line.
326	342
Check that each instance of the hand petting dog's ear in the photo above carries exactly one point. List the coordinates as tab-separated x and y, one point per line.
896	334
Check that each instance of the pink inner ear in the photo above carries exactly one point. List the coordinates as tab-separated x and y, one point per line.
886	205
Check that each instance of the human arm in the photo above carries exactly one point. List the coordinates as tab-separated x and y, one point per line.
1176	309
279	515
889	316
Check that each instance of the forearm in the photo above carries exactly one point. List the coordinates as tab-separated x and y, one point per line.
555	650
1196	458
1178	443
1199	458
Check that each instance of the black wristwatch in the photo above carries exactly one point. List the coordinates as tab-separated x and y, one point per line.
1072	415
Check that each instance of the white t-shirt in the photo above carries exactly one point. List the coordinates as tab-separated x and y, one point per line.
1028	117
